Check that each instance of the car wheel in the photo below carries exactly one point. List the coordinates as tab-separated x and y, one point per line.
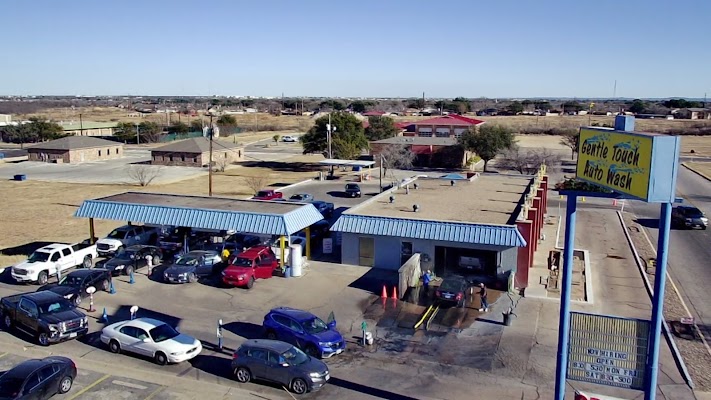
43	339
243	375
76	299
192	278
160	358
703	228
298	386
128	270
42	278
271	335
65	385
114	346
312	351
7	322
250	283
87	262
105	286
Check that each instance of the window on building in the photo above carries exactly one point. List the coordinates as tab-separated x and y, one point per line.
171	158
442	134
117	150
108	152
425	134
194	159
224	155
182	158
99	153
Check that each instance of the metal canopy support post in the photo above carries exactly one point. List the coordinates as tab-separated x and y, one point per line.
282	243
307	250
650	392
564	323
91	231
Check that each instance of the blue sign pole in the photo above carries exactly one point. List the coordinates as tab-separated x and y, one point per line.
564	322
660	274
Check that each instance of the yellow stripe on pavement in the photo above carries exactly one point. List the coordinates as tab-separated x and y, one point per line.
3	355
155	392
86	389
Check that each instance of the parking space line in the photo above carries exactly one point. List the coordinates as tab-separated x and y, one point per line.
86	389
154	393
3	355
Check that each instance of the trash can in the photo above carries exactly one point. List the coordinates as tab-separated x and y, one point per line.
287	272
507	318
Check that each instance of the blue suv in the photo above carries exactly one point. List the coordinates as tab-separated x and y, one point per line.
305	331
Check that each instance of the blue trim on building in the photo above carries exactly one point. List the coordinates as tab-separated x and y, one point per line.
249	222
494	235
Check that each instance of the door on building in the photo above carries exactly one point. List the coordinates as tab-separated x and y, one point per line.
405	252
366	251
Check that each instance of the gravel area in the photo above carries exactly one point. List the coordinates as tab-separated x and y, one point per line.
693	351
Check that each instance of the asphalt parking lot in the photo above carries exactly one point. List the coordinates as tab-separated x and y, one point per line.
333	191
98	172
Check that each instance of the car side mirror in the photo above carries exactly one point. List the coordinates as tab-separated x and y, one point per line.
146	340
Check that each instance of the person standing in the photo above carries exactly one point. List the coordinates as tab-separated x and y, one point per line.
483	293
225	255
426	279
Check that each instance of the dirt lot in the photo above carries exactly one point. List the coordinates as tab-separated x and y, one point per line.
702	168
43	211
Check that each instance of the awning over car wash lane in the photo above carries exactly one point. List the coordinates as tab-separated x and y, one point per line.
218	213
349	163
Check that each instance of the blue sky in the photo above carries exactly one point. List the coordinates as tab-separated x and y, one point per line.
389	48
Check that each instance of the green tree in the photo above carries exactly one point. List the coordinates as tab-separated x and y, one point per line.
516	107
637	106
542	105
380	128
276	138
572	106
416	103
125	132
149	132
680	103
488	141
196	125
44	129
358	106
179	128
526	103
348	139
227	120
18	134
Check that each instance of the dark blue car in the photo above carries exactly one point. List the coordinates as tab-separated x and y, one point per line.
305	331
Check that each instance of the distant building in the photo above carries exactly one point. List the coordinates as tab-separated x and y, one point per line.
195	152
5	119
449	126
693	113
75	149
88	128
430	152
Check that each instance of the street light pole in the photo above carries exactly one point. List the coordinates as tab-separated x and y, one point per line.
329	132
138	137
209	167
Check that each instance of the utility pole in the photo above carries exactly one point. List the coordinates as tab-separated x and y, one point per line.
382	161
81	126
329	132
138	137
209	173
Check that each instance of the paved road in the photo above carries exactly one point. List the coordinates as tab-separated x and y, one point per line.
267	150
690	250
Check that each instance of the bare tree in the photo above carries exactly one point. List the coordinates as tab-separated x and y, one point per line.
526	161
396	156
144	174
256	183
220	164
571	139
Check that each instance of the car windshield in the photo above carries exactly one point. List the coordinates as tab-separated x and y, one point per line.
124	254
10	386
38	256
262	194
55	307
189	260
352	186
315	326
451	285
694	213
163	332
116	234
295	356
71	280
242	262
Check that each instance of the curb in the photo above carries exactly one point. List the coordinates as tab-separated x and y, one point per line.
699	173
665	327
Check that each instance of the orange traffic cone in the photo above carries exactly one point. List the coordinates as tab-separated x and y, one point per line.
394	293
384	294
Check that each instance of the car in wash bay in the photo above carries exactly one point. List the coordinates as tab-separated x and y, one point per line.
689	217
73	286
191	266
130	259
38	379
305	331
258	262
279	362
150	338
453	290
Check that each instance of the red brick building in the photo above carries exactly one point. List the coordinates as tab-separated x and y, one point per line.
431	152
447	126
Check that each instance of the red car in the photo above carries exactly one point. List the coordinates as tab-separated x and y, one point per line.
258	262
268	195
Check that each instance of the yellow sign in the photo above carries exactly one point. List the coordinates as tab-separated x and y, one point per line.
616	160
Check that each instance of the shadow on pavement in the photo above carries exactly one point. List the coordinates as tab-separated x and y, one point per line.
373	280
369	390
246	330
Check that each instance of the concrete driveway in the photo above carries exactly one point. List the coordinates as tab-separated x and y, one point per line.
267	150
99	172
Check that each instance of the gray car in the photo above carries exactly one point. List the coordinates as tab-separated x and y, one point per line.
193	265
280	362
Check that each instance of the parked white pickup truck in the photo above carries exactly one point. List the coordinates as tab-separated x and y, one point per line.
126	236
46	261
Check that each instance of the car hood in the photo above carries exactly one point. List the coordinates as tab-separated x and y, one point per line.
180	342
234	270
31	265
329	336
60	290
114	262
313	365
110	242
56	318
179	269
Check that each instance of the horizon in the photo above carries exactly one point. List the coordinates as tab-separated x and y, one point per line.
553	50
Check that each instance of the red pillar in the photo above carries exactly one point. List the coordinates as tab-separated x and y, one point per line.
544	183
539	218
524	260
533	244
541	210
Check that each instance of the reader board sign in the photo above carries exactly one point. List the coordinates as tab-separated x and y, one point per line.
640	165
608	350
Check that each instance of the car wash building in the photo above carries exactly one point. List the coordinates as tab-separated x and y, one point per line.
485	224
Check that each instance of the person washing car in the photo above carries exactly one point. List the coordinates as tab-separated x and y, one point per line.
483	293
426	279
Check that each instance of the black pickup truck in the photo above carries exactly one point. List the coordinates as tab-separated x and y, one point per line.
46	316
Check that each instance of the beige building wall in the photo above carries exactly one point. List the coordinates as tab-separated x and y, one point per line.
197	160
76	155
91	132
